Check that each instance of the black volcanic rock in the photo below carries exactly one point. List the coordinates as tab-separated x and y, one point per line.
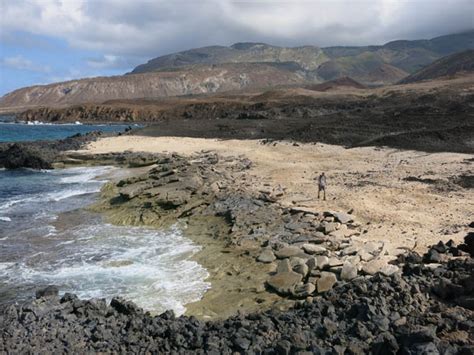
20	156
398	314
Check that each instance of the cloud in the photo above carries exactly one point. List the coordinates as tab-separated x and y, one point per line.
109	61
126	30
21	63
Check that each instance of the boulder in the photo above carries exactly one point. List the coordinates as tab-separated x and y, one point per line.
371	247
349	271
19	156
314	249
376	265
304	290
312	263
326	281
330	227
302	269
124	307
332	262
287	252
266	256
294	261
389	269
322	261
343	217
284	266
48	291
284	282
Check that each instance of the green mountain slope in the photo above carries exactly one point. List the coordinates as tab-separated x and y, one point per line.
446	66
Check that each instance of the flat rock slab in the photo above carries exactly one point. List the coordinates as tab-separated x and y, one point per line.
287	252
284	266
376	265
343	217
305	210
285	282
266	256
326	281
335	262
314	249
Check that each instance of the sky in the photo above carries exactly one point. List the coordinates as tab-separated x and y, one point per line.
44	41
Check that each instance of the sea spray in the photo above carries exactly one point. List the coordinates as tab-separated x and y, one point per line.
57	242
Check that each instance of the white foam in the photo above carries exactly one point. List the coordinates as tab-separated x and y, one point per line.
4	266
150	267
5	219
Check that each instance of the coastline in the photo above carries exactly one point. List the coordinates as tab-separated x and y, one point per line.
240	218
239	282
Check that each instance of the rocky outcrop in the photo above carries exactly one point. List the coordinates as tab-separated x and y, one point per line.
41	154
20	156
402	313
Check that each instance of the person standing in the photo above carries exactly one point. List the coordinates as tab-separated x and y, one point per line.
322	185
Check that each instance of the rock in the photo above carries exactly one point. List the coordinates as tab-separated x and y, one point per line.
20	156
389	269
287	252
376	265
49	291
302	269
294	261
283	347
241	343
365	256
433	256
284	266
332	262
326	281
350	250
348	272
371	247
125	307
305	290
314	249
266	256
343	217
330	227
312	263
284	282
468	245
322	262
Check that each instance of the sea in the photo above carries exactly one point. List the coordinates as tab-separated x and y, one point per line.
48	237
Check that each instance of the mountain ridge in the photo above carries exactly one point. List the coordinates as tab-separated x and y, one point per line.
446	66
246	66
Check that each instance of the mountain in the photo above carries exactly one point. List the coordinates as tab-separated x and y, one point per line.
336	84
192	80
446	66
370	65
246	66
307	57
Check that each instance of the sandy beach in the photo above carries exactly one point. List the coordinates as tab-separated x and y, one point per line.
383	187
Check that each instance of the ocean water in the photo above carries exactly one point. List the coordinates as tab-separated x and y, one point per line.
17	132
48	237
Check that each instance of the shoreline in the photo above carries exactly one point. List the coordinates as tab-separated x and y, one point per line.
396	300
254	290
